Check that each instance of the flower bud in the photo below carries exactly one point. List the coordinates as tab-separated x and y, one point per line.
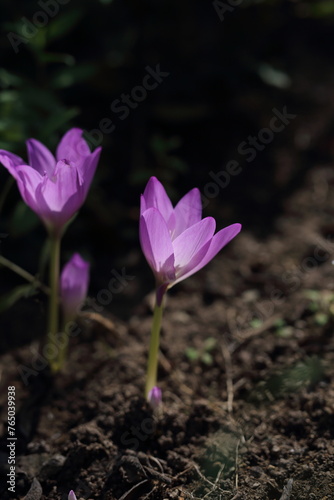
74	285
155	398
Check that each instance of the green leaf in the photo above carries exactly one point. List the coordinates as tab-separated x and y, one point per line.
7	300
64	23
55	57
209	344
323	8
321	319
313	295
256	323
192	353
57	120
69	76
207	359
285	332
280	323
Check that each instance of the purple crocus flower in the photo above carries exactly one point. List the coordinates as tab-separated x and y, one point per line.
177	242
74	285
54	187
71	495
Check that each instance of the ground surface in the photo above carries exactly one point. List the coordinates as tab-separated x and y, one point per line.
248	414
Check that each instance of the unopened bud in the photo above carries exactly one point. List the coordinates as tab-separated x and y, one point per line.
155	398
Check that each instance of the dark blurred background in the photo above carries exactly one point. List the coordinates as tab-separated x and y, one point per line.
226	66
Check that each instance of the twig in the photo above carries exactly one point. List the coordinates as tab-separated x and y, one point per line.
237	497
98	318
287	490
202	476
134	488
24	274
236	464
214	485
216	482
229	380
157	461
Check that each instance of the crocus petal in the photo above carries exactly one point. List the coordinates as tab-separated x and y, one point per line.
156	197
28	181
73	147
87	169
71	495
54	190
143	206
59	198
74	281
156	244
187	212
218	241
188	244
63	185
10	161
40	158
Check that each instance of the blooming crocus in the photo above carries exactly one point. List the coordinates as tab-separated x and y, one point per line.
177	242
71	495
54	187
74	281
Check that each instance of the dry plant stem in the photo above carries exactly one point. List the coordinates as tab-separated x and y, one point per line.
23	273
229	379
152	366
54	362
287	490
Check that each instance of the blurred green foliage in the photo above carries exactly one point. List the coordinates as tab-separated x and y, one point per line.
293	378
225	78
204	354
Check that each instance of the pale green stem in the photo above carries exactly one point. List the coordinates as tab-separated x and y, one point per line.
23	273
54	301
152	366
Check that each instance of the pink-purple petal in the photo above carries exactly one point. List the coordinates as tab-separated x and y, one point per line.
219	240
187	212
10	161
143	206
193	265
28	180
87	169
59	198
73	147
156	244
40	157
64	184
54	190
188	244
156	197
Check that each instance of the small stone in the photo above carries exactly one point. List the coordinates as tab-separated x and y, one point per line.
35	492
51	467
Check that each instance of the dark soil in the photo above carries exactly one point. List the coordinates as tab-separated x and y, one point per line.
247	415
